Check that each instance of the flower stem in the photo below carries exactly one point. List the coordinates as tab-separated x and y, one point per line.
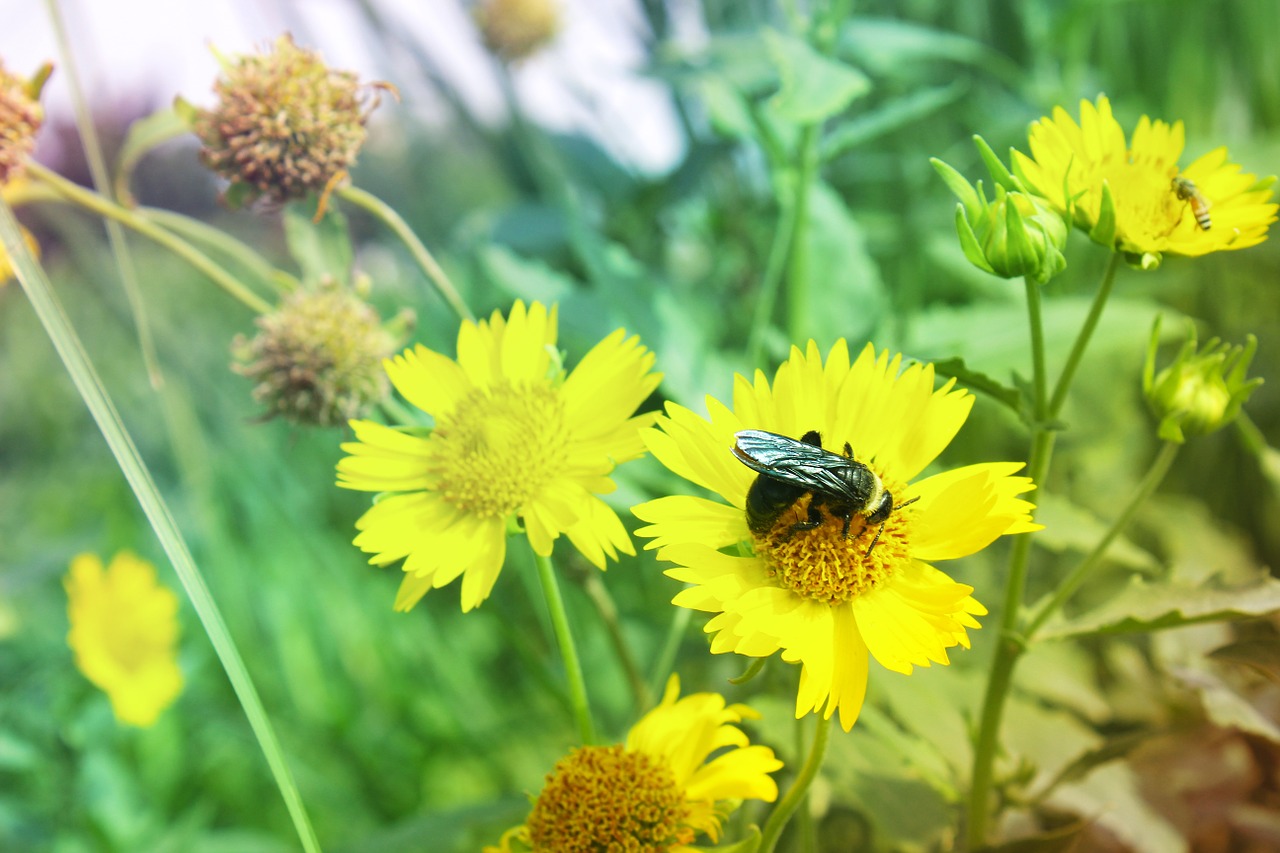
798	266
607	610
100	205
568	651
71	350
1068	585
773	269
421	255
799	789
1082	339
102	182
224	243
1012	641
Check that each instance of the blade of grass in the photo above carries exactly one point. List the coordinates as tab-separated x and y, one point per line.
67	343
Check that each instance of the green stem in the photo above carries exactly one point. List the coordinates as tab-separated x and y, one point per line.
221	241
1077	576
607	610
773	270
568	651
425	260
798	266
1010	643
665	663
95	203
1082	339
799	789
104	412
102	181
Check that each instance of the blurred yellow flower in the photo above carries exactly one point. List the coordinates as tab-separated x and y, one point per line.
657	791
827	600
124	632
1133	197
514	437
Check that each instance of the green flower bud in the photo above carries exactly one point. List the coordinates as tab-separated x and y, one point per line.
1201	391
515	29
285	125
1016	234
317	359
20	117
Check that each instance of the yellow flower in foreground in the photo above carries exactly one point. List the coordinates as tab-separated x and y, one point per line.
1125	195
655	793
826	600
124	632
513	436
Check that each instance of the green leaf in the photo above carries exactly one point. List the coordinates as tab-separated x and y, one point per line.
849	295
814	87
976	380
145	135
1262	655
890	117
524	277
887	46
1071	527
1145	607
321	249
727	109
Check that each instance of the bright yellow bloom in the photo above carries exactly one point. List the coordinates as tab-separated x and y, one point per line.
826	600
1125	195
657	792
513	436
124	632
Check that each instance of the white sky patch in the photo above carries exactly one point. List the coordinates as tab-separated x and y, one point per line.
144	52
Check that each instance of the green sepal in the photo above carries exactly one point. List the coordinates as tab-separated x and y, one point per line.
969	242
239	194
1104	230
186	111
1022	255
957	184
999	173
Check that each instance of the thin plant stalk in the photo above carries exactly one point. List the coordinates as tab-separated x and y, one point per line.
102	206
799	788
1077	576
1012	640
798	296
568	650
387	215
607	611
67	343
775	265
221	241
102	181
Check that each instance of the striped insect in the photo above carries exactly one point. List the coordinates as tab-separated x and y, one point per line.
1187	191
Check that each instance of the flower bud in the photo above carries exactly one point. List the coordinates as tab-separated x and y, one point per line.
1201	391
515	29
317	359
20	117
285	124
1016	234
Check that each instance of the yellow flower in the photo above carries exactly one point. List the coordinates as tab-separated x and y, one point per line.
513	436
825	599
1126	196
657	791
124	632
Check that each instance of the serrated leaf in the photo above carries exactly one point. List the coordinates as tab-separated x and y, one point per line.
814	87
1145	607
976	380
1262	655
145	135
321	249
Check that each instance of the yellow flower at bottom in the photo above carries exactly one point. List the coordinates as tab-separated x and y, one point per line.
656	792
124	632
1124	194
824	599
513	436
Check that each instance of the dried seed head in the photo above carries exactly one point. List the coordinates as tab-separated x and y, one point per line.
20	117
285	124
317	359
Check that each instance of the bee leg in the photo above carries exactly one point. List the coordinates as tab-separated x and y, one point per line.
813	522
906	503
848	519
848	450
875	539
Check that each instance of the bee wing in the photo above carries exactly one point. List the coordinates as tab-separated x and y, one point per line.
794	461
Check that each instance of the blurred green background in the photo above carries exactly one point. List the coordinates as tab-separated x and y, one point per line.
424	731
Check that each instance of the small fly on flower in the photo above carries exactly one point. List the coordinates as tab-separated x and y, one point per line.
789	469
1186	190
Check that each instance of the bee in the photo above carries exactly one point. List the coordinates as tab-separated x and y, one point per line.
1185	190
789	469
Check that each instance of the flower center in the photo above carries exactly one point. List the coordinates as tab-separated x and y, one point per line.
500	446
605	798
823	565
